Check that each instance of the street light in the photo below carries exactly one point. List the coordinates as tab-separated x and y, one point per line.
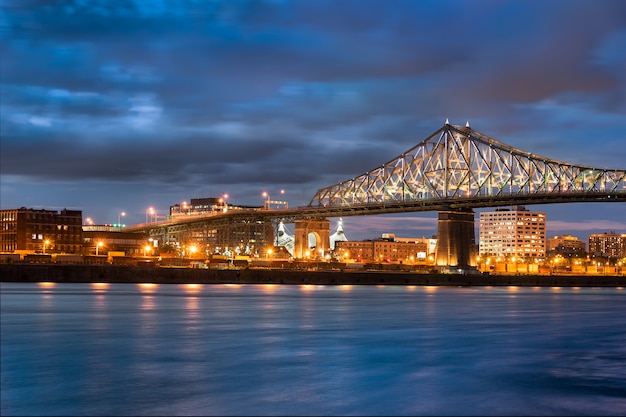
99	245
119	221
146	249
45	243
149	212
267	200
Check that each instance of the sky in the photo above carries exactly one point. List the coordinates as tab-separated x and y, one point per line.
119	106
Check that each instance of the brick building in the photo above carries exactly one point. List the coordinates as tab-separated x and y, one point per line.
386	249
41	231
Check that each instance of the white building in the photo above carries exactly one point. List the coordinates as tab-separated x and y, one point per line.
513	232
338	236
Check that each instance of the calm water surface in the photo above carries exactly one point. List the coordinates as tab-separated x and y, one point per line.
126	349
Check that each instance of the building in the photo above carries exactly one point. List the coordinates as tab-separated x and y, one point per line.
387	248
242	236
41	231
205	205
102	240
607	245
339	235
566	245
513	232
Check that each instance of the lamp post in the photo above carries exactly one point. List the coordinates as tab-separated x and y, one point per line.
99	245
150	213
119	221
45	243
267	200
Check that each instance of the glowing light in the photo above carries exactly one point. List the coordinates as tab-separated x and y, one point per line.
100	286
46	284
269	287
98	246
192	288
147	286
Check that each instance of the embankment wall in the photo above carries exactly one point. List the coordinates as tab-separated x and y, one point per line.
130	274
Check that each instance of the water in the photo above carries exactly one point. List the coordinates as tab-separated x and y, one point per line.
126	349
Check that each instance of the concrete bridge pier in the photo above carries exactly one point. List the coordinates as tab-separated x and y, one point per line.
455	239
321	231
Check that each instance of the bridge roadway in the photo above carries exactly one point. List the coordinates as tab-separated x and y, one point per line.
377	208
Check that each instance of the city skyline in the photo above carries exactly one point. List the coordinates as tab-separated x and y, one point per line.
110	109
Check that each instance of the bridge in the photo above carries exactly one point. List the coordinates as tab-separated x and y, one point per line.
453	171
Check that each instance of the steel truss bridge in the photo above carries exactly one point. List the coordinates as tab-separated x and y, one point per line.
454	170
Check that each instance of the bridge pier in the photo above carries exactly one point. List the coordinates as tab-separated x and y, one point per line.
456	239
303	227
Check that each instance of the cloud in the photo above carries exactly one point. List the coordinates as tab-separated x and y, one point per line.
587	225
299	94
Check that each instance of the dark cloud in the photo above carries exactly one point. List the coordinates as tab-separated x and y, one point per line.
182	98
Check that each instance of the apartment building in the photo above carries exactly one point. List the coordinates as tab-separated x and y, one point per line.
513	232
607	245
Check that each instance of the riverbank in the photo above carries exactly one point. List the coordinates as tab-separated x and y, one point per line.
129	274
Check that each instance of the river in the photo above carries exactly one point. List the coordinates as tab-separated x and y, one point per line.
148	349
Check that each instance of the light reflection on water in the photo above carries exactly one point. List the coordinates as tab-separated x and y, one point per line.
191	349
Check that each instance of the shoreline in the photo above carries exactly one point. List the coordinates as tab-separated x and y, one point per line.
74	273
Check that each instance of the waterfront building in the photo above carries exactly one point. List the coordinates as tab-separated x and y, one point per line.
31	230
607	245
515	232
105	239
566	245
387	248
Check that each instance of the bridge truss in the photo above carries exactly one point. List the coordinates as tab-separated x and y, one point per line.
458	167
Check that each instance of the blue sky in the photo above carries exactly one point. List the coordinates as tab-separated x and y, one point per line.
125	105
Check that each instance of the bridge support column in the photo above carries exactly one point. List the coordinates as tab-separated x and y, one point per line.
455	239
303	227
